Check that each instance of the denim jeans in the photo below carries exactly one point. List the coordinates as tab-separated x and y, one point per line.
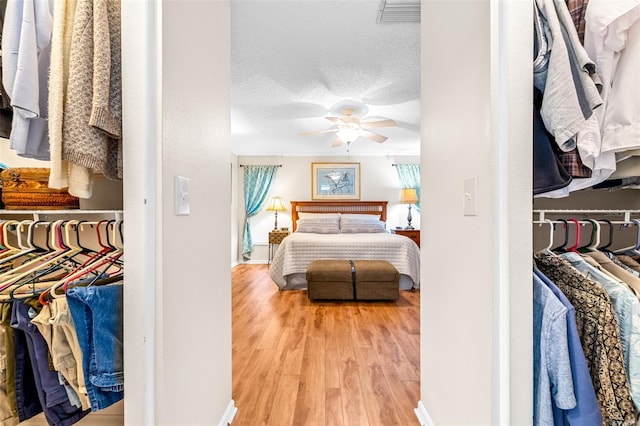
8	408
97	315
54	323
51	394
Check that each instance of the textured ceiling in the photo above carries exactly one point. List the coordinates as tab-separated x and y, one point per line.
294	62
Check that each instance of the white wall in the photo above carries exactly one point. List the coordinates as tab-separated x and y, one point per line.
379	182
176	65
235	217
9	157
476	357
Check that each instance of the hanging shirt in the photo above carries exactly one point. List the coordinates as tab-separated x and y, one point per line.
570	94
577	9
602	164
587	411
600	337
627	307
612	39
552	379
618	272
26	53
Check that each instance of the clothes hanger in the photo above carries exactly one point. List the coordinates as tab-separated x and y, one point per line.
27	251
566	236
552	227
594	239
69	265
610	241
109	255
634	247
574	248
23	271
4	235
2	246
94	266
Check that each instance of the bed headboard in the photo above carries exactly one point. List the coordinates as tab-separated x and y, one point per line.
360	207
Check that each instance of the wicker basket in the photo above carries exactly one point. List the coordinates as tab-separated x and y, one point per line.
26	189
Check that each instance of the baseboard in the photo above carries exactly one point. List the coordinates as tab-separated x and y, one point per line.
255	262
229	414
422	415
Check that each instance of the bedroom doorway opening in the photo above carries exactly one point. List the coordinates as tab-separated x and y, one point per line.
297	362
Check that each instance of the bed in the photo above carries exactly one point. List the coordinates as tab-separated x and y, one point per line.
297	251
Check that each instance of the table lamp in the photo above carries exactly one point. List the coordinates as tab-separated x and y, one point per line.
408	196
276	206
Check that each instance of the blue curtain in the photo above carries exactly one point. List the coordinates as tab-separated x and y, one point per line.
257	184
409	175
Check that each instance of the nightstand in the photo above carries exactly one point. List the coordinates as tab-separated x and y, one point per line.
413	234
275	238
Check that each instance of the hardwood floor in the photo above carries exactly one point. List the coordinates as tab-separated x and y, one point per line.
297	362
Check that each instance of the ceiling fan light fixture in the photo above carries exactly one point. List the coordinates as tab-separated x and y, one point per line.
348	135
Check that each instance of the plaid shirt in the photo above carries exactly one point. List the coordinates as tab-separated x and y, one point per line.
577	9
573	164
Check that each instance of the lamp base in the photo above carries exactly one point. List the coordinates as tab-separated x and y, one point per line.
409	219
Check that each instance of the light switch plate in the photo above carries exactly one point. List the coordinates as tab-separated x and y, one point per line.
182	195
470	196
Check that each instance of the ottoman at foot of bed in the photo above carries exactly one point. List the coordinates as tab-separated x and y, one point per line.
353	280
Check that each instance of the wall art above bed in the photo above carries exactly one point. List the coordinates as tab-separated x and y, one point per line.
335	181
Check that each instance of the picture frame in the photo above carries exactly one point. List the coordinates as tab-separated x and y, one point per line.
335	181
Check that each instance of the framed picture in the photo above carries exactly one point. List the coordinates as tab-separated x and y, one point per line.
335	181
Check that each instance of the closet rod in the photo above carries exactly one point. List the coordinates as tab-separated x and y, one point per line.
580	221
626	213
117	214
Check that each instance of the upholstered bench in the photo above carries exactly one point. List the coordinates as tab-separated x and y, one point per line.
353	279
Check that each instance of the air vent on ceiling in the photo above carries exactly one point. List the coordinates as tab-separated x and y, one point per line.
399	11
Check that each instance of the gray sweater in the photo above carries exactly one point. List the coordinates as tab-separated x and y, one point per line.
92	121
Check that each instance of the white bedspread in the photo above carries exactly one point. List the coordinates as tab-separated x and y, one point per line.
298	250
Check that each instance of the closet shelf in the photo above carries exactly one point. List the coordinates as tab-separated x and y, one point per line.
610	212
117	214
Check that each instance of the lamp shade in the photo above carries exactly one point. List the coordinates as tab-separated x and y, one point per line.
408	196
276	205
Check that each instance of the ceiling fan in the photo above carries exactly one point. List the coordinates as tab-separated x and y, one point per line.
349	128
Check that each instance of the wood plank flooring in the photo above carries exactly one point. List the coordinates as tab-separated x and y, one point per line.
297	362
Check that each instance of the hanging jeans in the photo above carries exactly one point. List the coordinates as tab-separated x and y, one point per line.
29	343
8	408
97	315
54	323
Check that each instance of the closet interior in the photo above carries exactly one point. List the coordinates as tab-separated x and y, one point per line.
586	218
61	263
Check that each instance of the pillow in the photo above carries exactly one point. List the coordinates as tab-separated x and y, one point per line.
307	215
326	225
372	217
361	226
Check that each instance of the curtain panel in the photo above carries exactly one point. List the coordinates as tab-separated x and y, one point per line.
257	184
409	175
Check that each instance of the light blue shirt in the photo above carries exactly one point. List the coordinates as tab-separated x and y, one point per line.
627	308
551	364
587	410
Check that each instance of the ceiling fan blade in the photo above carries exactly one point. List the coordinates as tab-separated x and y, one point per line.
373	136
336	143
335	120
381	123
317	132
